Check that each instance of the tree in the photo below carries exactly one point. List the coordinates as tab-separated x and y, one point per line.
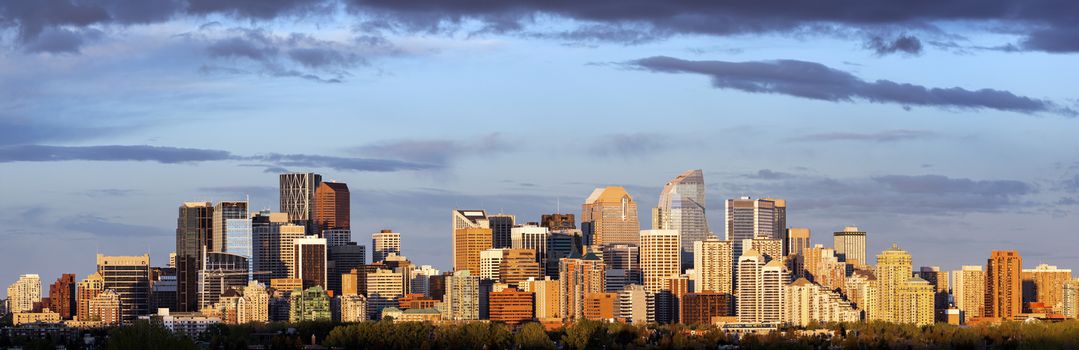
146	335
532	336
585	334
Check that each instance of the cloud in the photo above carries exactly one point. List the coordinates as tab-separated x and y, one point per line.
110	192
293	55
436	151
101	226
15	131
816	81
630	145
61	40
767	174
339	163
908	44
882	136
942	185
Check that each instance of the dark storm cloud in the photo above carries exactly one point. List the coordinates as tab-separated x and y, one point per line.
436	151
882	136
819	82
168	155
630	145
904	43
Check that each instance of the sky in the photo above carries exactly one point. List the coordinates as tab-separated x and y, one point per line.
946	127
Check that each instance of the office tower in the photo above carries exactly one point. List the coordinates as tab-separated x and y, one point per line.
222	213
808	302
342	259
351	308
22	294
62	296
354	282
623	266
563	243
421	280
253	305
310	261
712	266
939	280
402	266
129	277
511	306
601	306
702	308
968	290
500	225
748	219
612	216
297	195
820	265
194	236
490	262
771	249
779	217
518	265
916	302
337	237
893	273
577	278
555	222
546	297
312	304
383	243
660	257
1003	284
462	298
636	305
681	208
797	241
331	206
86	290
383	289
1069	299
467	245
239	239
530	236
677	287
1042	284
850	245
221	272
106	308
162	288
760	296
272	241
861	289
463	218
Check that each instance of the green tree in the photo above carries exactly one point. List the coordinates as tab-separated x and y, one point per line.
532	336
145	335
585	334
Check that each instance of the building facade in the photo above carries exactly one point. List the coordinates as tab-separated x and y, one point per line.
682	208
661	256
384	243
712	269
129	277
850	245
612	216
1003	284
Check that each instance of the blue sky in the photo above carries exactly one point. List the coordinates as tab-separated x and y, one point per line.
950	133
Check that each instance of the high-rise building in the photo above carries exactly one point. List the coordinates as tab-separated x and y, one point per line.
748	218
518	265
421	280
22	294
660	257
555	222
129	277
106	308
850	245
712	268
562	243
808	302
298	197
612	216
342	259
546	297
337	236
384	243
194	237
467	245
601	306
1070	299
220	272
701	308
272	235
623	263
253	305
384	288
771	249
490	262
222	213
239	239
1043	284
311	304
310	261
462	298
511	306
797	241
939	280
893	273
351	308
332	206
861	289
820	265
760	296
779	216
577	278
968	290
501	224
916	302
636	305
530	236
86	290
681	208
62	296
1003	284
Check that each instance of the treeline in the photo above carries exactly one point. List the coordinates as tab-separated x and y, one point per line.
583	335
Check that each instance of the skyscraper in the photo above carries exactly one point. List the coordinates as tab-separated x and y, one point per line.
194	237
562	243
384	288
501	224
623	263
1003	284
530	236
968	290
850	245
129	277
22	294
272	238
518	265
467	245
310	261
636	305
86	290
490	261
342	259
384	243
893	273
796	242
462	298
660	257
681	208
612	216
939	281
712	268
547	299
297	196
221	272
577	279
1043	284
761	296
748	218
62	296
915	302
222	213
332	205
